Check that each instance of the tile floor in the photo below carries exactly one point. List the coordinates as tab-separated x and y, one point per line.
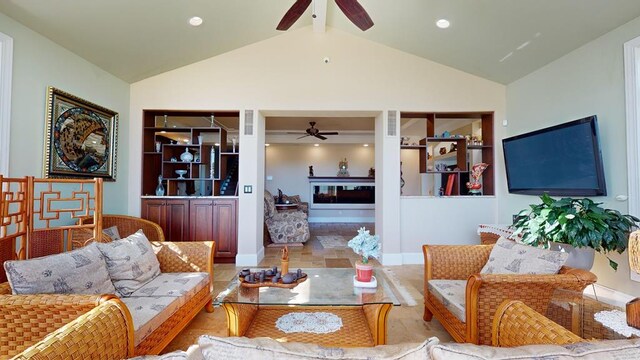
404	324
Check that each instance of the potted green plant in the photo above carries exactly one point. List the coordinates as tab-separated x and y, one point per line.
365	245
578	223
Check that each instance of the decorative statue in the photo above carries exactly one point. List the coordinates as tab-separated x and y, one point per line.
310	170
280	200
372	172
475	185
343	165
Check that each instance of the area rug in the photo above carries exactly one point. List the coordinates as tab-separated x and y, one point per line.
276	245
338	263
333	241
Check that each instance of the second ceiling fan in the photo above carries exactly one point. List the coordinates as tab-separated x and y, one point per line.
312	131
351	8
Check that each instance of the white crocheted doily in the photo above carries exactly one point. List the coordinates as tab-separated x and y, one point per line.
616	320
314	323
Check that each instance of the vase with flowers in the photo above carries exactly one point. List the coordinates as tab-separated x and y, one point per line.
367	246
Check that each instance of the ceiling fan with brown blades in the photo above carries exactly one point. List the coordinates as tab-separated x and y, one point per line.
312	131
351	8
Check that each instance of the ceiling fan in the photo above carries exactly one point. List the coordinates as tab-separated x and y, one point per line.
312	131
351	8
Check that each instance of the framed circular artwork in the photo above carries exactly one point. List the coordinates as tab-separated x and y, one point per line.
81	138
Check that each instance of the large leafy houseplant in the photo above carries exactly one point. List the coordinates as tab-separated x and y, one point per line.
577	222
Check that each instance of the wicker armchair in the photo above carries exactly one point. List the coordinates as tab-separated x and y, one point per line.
485	292
516	324
127	225
27	319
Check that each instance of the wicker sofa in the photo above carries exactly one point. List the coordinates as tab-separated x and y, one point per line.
483	293
27	319
515	324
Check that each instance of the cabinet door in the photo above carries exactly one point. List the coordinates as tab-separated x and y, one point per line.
177	220
155	210
201	218
225	229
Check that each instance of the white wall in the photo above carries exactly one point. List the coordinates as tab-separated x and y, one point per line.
38	63
588	81
286	73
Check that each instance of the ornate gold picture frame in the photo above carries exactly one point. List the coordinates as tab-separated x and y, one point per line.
81	138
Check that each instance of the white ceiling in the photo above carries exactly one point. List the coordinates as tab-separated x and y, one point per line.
137	39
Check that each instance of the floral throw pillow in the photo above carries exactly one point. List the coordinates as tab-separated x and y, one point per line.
509	257
81	271
131	262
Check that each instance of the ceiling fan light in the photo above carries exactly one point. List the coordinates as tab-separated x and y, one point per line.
443	23
195	21
316	145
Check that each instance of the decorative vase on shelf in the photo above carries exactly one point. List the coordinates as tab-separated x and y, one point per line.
160	188
186	156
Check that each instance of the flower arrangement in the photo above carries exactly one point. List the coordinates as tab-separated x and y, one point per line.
365	245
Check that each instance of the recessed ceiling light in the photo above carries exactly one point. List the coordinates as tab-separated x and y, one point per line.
366	145
163	132
195	21
267	145
185	140
443	23
316	145
217	144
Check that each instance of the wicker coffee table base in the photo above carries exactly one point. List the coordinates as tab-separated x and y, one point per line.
364	325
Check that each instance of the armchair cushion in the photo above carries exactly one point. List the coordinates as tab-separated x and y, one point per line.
131	262
451	294
509	257
81	271
149	313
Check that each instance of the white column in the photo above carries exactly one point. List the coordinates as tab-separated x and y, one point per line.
251	174
388	189
6	63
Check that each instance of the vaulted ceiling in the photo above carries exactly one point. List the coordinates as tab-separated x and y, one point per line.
500	40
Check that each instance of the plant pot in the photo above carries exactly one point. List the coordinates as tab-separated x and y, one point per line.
364	272
580	258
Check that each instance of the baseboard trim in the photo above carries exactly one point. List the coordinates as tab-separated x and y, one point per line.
342	219
412	258
391	259
250	259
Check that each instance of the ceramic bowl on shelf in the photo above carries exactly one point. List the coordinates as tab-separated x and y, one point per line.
181	173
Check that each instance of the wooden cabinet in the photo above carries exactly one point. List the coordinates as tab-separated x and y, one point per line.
201	219
190	154
171	214
177	228
225	229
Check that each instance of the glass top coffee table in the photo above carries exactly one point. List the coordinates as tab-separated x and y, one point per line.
325	309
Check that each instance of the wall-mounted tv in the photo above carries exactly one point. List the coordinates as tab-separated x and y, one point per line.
562	160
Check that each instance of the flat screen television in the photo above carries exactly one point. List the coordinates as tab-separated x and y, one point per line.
562	160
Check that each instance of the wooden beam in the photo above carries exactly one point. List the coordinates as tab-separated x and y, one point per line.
319	12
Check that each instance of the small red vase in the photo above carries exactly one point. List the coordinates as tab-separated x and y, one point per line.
364	272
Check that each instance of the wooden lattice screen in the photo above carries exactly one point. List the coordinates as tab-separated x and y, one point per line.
14	220
40	217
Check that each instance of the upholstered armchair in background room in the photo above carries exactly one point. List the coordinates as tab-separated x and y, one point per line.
294	199
465	284
286	226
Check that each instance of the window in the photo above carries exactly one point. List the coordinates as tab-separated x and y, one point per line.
6	58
